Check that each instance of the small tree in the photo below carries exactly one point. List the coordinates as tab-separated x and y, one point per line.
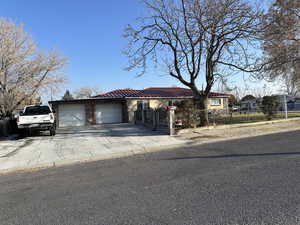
232	101
269	106
67	96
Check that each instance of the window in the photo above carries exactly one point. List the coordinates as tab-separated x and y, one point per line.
174	102
36	110
143	105
215	101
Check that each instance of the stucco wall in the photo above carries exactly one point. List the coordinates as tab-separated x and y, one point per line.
223	104
157	103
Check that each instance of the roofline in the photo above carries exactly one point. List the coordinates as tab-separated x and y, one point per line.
124	98
184	97
187	97
83	100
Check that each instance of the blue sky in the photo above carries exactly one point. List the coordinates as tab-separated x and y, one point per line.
89	33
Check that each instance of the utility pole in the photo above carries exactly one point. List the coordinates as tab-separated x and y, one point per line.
285	107
51	89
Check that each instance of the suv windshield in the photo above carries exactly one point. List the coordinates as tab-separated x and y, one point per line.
37	110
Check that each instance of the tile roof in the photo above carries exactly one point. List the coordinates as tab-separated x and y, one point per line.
119	93
163	93
172	92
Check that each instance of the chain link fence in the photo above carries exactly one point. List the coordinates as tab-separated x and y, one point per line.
190	118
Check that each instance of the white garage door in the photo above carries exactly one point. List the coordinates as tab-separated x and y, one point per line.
108	113
71	115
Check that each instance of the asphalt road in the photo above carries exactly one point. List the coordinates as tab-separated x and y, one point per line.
248	181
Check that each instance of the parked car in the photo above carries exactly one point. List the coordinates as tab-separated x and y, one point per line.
235	108
36	117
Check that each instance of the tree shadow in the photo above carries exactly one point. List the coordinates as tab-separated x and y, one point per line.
109	130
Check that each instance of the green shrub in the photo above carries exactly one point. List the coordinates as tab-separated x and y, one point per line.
269	106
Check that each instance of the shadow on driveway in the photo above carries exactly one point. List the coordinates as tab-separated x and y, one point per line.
109	130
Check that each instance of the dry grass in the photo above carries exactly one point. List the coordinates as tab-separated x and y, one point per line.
250	118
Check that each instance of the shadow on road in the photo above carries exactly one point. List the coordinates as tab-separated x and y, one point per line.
235	155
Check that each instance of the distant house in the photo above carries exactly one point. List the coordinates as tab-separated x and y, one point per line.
293	103
119	105
250	103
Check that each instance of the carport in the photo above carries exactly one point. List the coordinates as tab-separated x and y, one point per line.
85	112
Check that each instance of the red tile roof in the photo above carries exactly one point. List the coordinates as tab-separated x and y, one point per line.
119	93
172	92
163	93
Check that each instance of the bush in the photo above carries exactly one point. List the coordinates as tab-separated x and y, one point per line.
269	106
187	114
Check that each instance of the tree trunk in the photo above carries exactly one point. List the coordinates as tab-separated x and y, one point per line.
201	103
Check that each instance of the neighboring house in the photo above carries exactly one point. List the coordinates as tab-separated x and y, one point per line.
293	103
119	105
250	105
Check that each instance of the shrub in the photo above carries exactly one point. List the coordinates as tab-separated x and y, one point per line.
269	106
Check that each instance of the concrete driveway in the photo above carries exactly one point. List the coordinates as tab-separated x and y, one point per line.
81	144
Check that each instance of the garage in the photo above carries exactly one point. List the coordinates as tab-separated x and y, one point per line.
108	113
71	115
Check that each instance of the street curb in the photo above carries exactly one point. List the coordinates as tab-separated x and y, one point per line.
135	152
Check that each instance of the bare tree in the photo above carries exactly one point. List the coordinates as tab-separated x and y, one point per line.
282	41
290	85
86	92
197	41
24	71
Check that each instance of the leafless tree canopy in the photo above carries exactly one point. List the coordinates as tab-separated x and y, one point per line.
24	71
196	40
282	41
86	92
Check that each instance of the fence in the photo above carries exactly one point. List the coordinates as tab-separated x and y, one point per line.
173	119
157	119
189	118
7	127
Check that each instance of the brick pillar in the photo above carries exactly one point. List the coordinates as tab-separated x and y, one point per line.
56	115
90	114
125	116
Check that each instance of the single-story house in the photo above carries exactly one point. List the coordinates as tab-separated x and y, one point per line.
118	106
250	105
290	101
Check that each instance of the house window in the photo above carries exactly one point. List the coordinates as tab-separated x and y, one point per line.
174	102
215	101
143	105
